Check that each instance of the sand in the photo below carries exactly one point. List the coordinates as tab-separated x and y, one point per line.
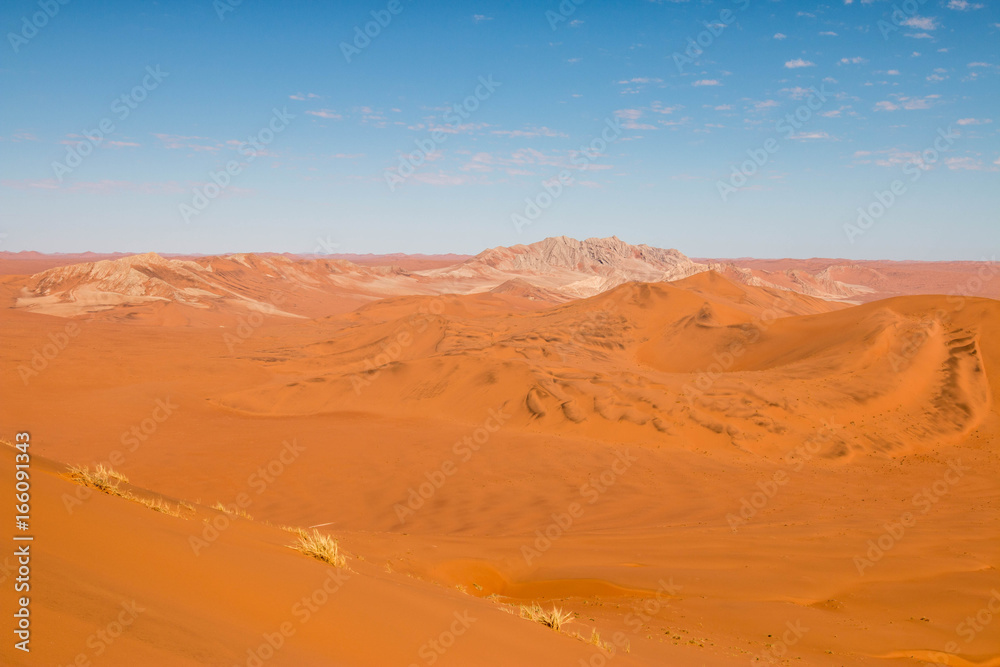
706	472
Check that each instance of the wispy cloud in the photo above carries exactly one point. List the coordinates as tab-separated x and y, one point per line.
921	22
189	142
530	132
908	103
964	5
329	114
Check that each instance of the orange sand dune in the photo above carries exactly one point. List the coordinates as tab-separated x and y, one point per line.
827	494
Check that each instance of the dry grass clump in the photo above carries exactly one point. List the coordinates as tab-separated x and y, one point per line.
232	511
595	639
554	619
319	546
155	505
107	480
102	479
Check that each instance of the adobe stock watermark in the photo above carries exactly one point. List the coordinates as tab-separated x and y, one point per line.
101	640
968	629
223	7
885	199
410	162
988	269
741	173
590	492
394	346
697	45
924	500
901	357
247	325
727	358
464	450
325	246
31	25
432	649
776	651
42	357
563	11
553	188
251	149
121	108
131	439
258	482
619	641
381	18
653	606
303	611
901	13
768	487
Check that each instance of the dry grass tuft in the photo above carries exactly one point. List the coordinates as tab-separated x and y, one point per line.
554	619
155	505
595	639
107	480
233	511
319	546
103	479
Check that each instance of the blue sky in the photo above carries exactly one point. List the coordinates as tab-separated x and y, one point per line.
581	119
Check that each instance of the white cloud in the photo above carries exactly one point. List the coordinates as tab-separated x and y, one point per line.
707	82
778	35
629	114
802	136
799	62
530	132
907	103
325	113
974	121
797	93
766	104
964	5
856	60
921	22
965	164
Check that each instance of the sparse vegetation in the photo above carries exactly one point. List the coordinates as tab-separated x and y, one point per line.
102	478
595	639
555	619
234	511
156	505
107	481
319	546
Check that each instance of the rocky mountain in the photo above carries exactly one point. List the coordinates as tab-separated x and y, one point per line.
199	290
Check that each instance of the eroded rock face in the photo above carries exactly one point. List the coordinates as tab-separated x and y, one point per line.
553	271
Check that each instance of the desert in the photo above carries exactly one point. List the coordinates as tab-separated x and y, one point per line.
693	471
379	333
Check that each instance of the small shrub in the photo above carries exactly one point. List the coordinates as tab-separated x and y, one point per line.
103	479
554	619
321	547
